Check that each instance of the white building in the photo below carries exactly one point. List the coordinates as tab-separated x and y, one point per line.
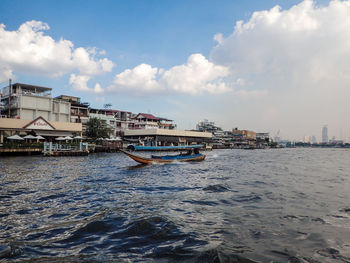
149	121
325	134
28	102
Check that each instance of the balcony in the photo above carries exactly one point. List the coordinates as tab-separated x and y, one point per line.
79	114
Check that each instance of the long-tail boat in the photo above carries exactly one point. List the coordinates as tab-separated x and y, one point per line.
164	148
192	154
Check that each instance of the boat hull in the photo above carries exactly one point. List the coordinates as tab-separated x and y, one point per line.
144	160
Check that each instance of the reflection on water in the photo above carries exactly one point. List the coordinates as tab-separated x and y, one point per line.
286	205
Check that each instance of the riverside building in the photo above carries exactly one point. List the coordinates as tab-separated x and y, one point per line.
24	101
29	109
79	112
149	121
218	135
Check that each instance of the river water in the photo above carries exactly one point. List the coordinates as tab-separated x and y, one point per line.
276	205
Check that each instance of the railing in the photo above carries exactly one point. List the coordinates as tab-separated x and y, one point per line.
52	147
79	114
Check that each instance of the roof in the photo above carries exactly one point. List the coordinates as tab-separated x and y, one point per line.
32	87
164	119
20	124
147	116
39	118
109	110
67	96
167	132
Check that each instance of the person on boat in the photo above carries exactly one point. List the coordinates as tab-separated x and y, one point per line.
188	152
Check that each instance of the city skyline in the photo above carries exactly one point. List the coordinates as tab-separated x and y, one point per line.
268	67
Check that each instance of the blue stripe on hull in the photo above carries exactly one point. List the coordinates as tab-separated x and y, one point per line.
176	157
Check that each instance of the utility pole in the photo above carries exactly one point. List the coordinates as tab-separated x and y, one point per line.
10	93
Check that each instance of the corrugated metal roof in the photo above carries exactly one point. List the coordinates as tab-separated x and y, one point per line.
147	116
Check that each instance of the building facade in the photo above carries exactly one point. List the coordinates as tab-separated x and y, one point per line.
219	138
79	112
325	134
124	121
28	102
47	129
149	121
262	139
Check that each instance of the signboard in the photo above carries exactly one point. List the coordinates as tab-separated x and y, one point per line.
39	124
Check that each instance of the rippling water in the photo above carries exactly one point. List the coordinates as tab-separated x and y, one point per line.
285	205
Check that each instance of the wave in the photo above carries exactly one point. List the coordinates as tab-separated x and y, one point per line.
216	188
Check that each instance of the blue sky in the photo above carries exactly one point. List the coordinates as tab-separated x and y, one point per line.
188	60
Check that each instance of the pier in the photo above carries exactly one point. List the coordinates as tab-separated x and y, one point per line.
56	149
20	151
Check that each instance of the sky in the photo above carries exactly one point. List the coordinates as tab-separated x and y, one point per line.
278	66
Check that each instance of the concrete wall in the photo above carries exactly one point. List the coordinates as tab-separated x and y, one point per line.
31	102
27	114
31	107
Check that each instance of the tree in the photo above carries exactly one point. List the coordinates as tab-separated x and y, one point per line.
96	128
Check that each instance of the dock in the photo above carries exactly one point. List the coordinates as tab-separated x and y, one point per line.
20	151
57	149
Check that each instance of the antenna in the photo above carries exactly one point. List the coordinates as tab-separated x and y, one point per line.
107	106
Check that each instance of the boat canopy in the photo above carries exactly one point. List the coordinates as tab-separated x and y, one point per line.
164	148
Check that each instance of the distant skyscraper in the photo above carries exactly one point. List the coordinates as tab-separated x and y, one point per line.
325	134
313	139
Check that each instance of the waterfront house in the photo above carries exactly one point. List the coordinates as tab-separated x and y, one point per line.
244	138
218	139
149	121
79	112
30	109
24	101
40	126
262	139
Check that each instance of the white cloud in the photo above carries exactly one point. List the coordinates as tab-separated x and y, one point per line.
28	50
241	82
306	39
251	93
86	64
198	75
98	89
219	38
100	99
300	57
79	82
139	79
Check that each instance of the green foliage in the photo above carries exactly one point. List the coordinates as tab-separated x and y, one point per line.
96	128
